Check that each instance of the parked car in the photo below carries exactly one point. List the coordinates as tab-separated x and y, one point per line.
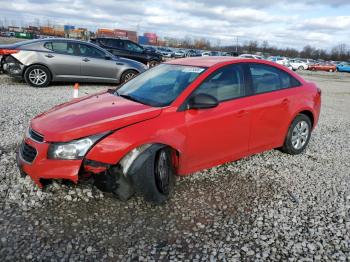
192	53
298	64
39	62
307	61
250	56
323	67
343	67
206	53
165	52
174	119
128	49
179	54
279	60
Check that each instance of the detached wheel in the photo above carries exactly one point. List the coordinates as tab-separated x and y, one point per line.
128	75
298	136
37	76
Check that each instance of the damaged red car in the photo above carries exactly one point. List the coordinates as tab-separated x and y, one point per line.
172	120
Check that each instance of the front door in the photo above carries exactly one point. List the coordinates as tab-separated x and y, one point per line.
219	134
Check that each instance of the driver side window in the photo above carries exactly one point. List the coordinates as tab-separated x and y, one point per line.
225	84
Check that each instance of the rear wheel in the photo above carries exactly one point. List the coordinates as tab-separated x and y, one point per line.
128	75
298	136
152	63
331	70
37	76
301	68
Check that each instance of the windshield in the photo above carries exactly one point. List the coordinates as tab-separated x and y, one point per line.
161	85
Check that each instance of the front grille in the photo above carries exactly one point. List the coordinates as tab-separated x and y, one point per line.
28	153
36	136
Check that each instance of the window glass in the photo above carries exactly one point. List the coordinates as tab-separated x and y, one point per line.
161	85
268	78
62	47
133	47
90	51
224	84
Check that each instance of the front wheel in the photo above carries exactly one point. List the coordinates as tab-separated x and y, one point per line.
37	76
127	76
154	174
301	68
298	135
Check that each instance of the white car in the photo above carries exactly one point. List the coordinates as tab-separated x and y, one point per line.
298	65
206	54
279	60
250	56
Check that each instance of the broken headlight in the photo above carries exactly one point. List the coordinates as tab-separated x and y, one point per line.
75	149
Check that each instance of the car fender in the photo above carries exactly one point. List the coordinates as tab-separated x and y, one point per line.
114	147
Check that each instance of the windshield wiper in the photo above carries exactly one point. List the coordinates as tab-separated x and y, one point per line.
130	98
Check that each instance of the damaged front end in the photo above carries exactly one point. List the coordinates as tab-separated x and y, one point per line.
115	178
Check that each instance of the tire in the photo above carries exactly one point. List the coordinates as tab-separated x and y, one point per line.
37	76
153	185
330	70
300	68
152	63
128	75
298	135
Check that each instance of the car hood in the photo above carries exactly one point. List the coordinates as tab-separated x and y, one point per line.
89	116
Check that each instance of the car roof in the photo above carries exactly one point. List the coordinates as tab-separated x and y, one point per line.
203	61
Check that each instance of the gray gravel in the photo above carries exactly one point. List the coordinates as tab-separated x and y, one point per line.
270	206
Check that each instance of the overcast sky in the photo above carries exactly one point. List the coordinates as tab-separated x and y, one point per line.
283	23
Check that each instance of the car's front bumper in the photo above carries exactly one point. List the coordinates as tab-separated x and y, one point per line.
43	168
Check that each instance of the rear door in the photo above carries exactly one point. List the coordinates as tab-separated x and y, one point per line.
219	134
96	64
62	58
272	103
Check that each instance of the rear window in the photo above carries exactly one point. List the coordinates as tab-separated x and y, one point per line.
61	47
267	78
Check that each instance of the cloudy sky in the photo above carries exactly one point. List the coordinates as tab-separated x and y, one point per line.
282	23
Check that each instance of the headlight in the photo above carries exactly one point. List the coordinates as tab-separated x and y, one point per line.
75	149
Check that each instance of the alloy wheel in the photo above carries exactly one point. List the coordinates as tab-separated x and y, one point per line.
37	76
300	134
129	76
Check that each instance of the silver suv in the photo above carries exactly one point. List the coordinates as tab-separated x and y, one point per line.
39	62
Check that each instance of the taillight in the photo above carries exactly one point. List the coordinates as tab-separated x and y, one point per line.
319	90
8	51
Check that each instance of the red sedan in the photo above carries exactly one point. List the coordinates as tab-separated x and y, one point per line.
174	119
323	67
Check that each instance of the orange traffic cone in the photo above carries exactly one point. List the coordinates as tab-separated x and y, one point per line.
76	90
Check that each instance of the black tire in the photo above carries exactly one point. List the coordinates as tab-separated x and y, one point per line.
146	179
152	63
288	146
128	75
300	68
37	70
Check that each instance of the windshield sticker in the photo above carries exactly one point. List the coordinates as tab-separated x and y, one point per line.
193	70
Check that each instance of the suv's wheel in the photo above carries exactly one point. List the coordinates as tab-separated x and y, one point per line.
298	136
128	75
37	76
152	63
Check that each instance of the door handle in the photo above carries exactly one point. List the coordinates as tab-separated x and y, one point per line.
285	101
86	60
242	113
49	56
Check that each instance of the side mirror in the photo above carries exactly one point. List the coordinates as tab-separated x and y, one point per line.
202	101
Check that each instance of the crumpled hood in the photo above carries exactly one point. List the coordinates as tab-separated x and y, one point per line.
89	116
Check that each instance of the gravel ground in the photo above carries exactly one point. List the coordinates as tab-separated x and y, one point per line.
270	206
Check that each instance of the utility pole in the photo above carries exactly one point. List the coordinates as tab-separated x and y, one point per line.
237	45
